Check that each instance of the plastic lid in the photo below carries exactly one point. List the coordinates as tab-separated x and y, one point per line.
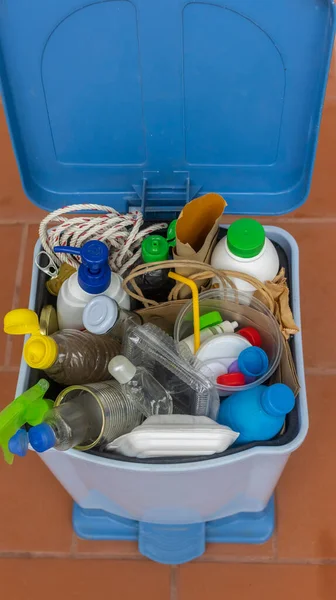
21	321
278	400
100	315
231	379
18	444
154	248
40	352
210	319
233	368
171	234
253	362
252	335
42	437
246	238
121	369
94	273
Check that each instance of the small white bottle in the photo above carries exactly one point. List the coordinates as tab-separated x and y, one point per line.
147	394
94	277
246	249
208	332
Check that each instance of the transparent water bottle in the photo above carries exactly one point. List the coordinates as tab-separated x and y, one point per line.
71	356
86	416
102	315
148	395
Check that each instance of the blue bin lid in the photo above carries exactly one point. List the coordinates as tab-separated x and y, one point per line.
153	102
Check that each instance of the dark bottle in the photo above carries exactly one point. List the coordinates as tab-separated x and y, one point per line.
155	285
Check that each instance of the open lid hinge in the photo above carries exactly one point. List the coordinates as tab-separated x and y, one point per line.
153	198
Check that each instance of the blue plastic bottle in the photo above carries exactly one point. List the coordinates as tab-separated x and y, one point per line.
258	414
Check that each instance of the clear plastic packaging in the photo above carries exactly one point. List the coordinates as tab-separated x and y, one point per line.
86	416
192	392
248	312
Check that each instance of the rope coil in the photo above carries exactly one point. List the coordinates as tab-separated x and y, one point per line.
122	233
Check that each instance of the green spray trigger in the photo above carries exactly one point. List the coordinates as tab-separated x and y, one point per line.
29	408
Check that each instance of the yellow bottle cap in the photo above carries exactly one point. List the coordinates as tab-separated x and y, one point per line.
21	321
40	352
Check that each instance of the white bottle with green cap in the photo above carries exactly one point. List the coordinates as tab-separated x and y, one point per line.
246	249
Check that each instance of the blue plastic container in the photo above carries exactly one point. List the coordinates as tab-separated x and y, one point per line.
257	414
147	104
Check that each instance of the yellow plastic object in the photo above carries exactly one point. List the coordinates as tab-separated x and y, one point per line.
195	301
21	321
40	352
30	408
54	284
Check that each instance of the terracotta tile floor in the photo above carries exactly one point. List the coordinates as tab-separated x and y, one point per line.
37	544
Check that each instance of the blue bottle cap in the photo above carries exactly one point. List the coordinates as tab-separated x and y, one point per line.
18	444
42	437
278	400
94	273
253	362
100	315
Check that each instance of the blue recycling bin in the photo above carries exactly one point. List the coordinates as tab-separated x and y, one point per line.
146	105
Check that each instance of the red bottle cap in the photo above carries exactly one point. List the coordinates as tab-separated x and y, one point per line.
252	335
233	379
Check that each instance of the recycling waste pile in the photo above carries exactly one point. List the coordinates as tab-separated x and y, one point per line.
162	341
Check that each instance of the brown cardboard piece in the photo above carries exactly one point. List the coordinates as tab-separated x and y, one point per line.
196	233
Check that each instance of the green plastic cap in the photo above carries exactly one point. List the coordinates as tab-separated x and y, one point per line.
154	248
171	234
246	238
210	319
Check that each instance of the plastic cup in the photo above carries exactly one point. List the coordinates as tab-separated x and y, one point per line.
233	306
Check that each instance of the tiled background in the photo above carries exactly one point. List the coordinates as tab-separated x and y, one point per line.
41	557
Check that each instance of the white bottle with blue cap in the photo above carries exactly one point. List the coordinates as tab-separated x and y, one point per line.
94	277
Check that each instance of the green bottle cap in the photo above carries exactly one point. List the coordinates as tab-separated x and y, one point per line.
171	234
210	319
154	248
246	238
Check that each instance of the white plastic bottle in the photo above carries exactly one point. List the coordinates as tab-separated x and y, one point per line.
209	332
246	249
94	277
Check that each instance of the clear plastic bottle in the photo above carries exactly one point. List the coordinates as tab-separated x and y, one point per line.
86	416
102	315
71	356
141	387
